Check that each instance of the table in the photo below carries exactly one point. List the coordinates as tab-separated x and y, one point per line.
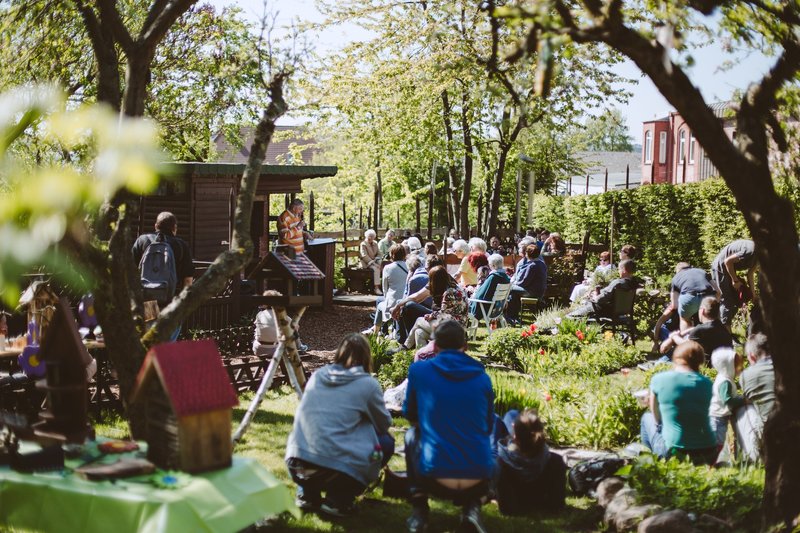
219	501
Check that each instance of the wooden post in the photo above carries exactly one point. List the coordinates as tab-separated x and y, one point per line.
430	201
369	216
531	194
569	187
605	185
587	185
652	173
361	217
375	206
398	219
344	231
613	225
627	176
310	210
416	202
683	178
519	199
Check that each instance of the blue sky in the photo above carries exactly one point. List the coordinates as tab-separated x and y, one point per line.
645	104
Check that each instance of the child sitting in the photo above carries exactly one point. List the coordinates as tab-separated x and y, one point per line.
724	400
528	476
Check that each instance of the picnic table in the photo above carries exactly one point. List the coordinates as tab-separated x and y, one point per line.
223	500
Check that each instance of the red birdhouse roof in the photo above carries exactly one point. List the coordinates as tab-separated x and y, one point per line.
192	375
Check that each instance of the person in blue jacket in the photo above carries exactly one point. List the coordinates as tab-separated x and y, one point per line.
530	280
486	290
449	401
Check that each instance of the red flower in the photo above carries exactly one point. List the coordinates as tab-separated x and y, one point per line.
541	351
533	328
547	397
580	335
526	333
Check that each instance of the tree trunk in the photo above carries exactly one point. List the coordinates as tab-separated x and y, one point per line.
454	211
466	185
137	76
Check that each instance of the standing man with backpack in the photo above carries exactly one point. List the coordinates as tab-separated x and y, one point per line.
165	262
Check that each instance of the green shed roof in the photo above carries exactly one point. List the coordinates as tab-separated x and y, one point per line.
237	169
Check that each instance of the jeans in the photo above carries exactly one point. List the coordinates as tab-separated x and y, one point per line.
420	486
340	489
719	426
651	435
379	310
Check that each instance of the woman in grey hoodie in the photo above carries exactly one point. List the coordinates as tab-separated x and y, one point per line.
339	440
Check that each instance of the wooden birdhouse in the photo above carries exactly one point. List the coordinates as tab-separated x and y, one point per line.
39	300
293	275
66	359
187	397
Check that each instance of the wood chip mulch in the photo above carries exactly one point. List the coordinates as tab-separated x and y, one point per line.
323	330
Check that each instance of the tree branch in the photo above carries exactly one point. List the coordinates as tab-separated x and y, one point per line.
110	16
761	98
162	20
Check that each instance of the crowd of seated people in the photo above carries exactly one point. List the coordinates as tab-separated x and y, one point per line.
457	447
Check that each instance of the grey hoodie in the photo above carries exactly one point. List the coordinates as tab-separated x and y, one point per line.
338	420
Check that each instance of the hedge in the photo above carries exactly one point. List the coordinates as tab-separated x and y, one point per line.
668	223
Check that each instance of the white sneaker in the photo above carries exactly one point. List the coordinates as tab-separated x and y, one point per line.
368	331
378	291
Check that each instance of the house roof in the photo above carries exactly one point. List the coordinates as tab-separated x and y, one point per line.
598	162
300	267
192	375
277	151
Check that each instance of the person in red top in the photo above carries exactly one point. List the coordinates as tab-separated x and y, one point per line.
292	227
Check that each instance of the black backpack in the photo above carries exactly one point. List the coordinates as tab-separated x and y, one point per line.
157	271
584	477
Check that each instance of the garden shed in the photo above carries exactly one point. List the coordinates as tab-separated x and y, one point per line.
203	198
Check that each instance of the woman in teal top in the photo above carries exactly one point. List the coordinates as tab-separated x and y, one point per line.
678	422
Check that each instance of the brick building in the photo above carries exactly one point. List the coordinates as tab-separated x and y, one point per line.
671	154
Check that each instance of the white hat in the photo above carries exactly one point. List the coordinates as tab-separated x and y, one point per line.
414	244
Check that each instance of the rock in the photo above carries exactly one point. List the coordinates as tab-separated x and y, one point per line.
607	489
708	522
629	517
666	522
623	499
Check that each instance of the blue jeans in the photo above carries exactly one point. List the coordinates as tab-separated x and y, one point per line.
339	488
719	425
651	435
420	486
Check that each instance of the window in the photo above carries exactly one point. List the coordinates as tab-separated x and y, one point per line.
662	147
682	149
648	147
691	149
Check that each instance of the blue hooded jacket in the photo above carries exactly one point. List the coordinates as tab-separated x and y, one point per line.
451	399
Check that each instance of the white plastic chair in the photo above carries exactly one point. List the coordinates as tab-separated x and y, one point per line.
490	310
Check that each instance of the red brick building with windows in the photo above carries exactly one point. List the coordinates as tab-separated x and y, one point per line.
671	154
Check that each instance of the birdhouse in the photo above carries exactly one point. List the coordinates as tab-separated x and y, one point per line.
294	275
40	300
66	358
187	398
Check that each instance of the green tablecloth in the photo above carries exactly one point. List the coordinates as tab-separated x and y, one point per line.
224	500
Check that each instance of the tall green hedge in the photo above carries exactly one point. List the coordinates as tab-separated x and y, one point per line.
668	223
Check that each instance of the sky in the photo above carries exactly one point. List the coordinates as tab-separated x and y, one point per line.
645	103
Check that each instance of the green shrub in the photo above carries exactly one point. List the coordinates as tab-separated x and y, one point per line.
512	391
505	345
733	494
593	412
379	346
395	370
707	371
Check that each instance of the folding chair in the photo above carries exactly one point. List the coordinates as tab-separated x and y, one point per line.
490	310
621	319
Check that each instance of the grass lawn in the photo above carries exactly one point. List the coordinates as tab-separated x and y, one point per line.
266	440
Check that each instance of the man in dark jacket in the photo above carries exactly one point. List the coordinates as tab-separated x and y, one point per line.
710	334
602	305
449	401
530	280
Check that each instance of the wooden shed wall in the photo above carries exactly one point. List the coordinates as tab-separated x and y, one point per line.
177	204
213	199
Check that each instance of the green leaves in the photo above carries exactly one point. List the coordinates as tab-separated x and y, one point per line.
46	204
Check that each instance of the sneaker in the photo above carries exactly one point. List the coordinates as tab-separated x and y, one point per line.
339	512
306	505
417	522
302	348
368	331
472	517
378	291
647	365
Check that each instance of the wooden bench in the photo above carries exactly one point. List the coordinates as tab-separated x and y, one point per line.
356	278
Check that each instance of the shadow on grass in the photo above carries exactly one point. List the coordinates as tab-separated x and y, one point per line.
262	416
